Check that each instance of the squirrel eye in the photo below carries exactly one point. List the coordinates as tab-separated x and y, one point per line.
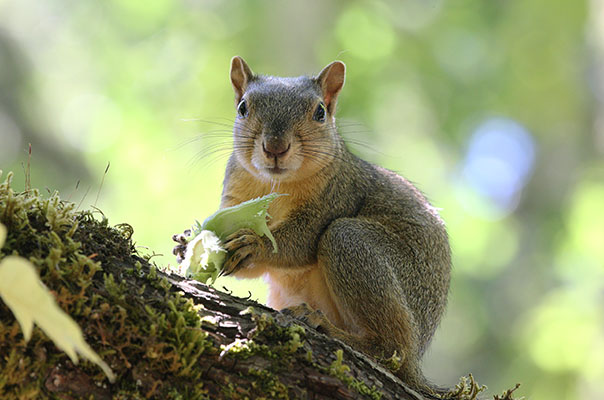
320	112
242	109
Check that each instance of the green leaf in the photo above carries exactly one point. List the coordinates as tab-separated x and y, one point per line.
251	214
205	255
30	301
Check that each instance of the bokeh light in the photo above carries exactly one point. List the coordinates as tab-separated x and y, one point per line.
500	159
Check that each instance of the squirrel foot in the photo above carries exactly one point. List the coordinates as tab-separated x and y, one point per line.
313	318
241	246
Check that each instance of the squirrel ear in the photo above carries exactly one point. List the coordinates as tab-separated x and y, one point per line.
331	79
241	75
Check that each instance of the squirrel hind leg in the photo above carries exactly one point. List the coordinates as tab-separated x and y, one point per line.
318	321
358	257
409	372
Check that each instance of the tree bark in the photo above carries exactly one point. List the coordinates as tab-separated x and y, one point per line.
278	365
308	373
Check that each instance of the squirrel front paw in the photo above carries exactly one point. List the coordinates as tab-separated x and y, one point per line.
181	248
243	247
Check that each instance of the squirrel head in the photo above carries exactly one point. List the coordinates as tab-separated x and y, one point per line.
285	127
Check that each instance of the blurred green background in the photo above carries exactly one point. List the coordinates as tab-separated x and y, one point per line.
494	108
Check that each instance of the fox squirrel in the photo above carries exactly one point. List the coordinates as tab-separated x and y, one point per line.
362	253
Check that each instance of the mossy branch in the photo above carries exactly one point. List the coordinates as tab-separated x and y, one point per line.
164	337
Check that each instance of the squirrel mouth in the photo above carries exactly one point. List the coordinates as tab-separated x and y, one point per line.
276	170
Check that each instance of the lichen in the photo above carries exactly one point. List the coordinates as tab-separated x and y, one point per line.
507	394
466	389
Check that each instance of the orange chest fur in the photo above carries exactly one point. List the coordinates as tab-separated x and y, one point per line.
242	186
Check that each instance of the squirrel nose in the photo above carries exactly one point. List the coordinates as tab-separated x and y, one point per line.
275	148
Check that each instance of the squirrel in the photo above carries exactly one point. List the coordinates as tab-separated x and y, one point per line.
362	253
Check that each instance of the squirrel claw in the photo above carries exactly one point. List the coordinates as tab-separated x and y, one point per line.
241	247
230	269
235	263
241	238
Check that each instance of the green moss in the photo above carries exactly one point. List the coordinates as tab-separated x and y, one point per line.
341	371
65	246
284	341
269	341
394	362
268	383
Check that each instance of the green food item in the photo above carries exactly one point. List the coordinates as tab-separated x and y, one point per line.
205	255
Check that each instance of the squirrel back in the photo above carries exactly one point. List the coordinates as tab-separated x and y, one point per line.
361	251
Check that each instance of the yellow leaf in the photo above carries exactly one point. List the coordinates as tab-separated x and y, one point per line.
28	299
